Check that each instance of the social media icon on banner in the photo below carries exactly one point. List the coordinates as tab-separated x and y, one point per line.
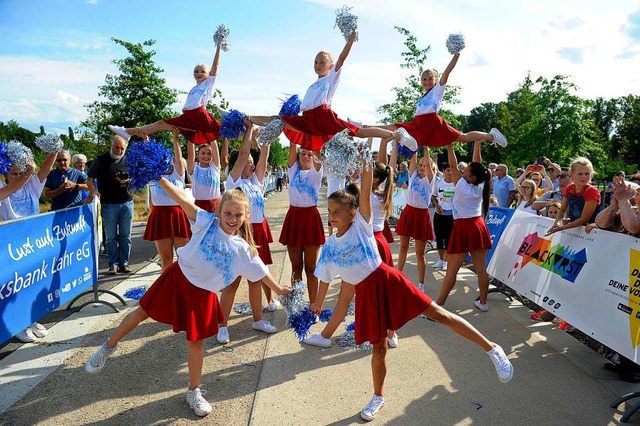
66	288
87	274
50	297
57	293
73	283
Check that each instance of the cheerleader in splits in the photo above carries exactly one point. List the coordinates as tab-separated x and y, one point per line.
385	298
196	124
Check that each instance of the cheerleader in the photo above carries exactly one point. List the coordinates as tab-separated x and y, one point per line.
184	296
428	128
196	124
205	175
415	221
443	217
249	178
470	205
385	298
168	225
334	183
302	230
318	122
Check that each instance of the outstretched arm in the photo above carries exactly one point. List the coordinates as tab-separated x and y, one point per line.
477	152
445	75
180	197
293	154
216	61
224	160
345	51
261	167
273	285
46	166
425	151
453	164
191	157
18	183
366	184
413	163
245	151
177	152
382	151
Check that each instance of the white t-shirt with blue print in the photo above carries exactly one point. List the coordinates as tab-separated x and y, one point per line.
353	256
159	197
321	91
419	191
24	202
254	190
304	186
205	182
213	259
432	101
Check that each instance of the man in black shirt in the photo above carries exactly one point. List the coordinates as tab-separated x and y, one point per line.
116	203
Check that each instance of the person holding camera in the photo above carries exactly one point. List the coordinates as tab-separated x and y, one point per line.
116	203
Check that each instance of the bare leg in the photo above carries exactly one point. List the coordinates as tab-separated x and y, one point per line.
453	266
149	129
255	300
379	366
475	136
310	260
295	256
402	254
377	132
479	258
458	325
261	120
127	325
345	296
441	254
268	293
196	358
422	265
165	251
227	296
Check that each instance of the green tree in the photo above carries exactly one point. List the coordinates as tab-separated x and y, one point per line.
278	156
136	96
628	130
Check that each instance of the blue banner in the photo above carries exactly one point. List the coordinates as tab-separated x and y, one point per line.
46	260
497	221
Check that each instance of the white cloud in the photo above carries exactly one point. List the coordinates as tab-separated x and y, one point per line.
91	2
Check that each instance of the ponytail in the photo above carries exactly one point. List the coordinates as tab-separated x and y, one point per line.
384	174
482	175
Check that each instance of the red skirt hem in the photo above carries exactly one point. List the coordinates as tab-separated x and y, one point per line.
386	231
167	222
383	248
262	237
430	130
469	234
302	227
315	127
197	125
416	223
209	205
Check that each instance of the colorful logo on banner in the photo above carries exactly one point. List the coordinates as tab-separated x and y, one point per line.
634	285
562	261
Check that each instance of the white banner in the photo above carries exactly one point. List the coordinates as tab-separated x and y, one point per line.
590	280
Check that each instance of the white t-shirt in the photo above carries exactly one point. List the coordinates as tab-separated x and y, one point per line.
205	182
353	256
254	191
335	182
444	193
304	186
213	259
431	101
321	92
24	202
522	206
200	94
467	200
158	196
419	191
378	215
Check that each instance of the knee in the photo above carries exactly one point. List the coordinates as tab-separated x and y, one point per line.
195	345
380	350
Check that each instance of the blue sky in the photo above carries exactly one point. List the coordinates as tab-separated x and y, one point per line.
54	54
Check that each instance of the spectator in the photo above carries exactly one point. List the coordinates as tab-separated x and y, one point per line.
279	178
64	184
116	203
527	196
503	186
635	178
518	173
493	167
553	171
402	178
539	176
79	162
549	197
608	191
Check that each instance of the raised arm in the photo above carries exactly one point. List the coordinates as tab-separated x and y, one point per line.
366	184
394	157
382	151
425	151
18	183
180	197
245	151
453	164
445	75
177	152
191	157
261	167
224	159
345	51
412	164
215	153
293	154
477	152
216	61
46	166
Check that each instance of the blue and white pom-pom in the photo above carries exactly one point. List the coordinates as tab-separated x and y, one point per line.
294	301
19	154
325	315
455	43
147	162
221	37
343	156
270	131
49	143
351	310
232	126
5	160
347	339
135	293
405	152
242	308
291	106
346	22
300	322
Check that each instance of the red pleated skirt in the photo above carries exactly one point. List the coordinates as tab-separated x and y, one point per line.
209	205
386	300
262	237
430	130
383	248
415	223
302	227
386	231
167	222
197	125
469	234
173	300
315	127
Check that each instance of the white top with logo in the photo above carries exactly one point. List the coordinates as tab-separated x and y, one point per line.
304	186
254	191
431	102
24	202
321	92
205	182
419	191
158	196
200	94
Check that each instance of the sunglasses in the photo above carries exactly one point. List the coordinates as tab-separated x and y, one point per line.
62	160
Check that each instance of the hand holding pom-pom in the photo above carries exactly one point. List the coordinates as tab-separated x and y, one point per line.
49	143
221	37
344	156
455	43
346	22
147	162
232	125
271	131
19	154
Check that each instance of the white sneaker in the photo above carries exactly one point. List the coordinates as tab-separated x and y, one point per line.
420	287
99	358
393	342
355	122
498	138
120	131
502	364
317	340
198	403
26	336
370	412
39	330
438	264
444	265
223	335
315	319
264	326
482	306
272	307
223	112
407	140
